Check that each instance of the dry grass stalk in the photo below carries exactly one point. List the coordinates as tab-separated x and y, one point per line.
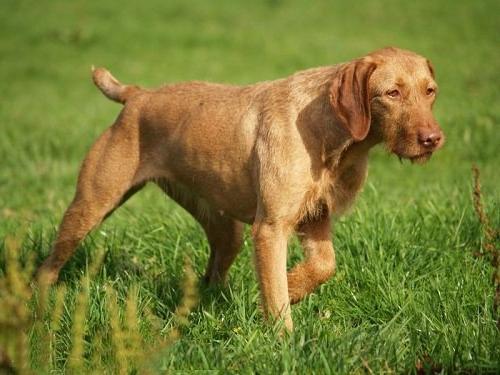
55	322
75	361
6	366
57	311
134	340
190	294
491	237
118	334
76	357
126	338
15	317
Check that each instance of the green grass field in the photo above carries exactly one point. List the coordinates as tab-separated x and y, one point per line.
408	287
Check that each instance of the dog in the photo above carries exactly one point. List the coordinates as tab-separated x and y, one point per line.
284	156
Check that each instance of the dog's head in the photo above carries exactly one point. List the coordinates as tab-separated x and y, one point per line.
388	96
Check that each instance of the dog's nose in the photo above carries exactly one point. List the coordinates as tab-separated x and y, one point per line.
429	138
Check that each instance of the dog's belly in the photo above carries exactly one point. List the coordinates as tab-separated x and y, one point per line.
205	204
226	193
219	170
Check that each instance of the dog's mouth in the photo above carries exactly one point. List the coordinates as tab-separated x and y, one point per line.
418	159
421	158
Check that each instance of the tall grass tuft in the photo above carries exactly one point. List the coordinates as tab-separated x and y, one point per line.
189	300
32	317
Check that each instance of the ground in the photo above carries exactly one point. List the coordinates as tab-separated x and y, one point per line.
408	287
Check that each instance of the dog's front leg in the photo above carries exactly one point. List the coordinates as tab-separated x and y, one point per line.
319	264
270	241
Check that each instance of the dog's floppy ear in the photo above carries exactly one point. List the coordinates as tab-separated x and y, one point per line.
431	68
349	97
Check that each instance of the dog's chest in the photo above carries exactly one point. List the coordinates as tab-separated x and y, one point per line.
347	183
337	188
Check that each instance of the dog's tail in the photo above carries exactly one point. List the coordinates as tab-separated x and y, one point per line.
111	87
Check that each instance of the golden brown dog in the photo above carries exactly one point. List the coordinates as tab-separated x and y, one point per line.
283	156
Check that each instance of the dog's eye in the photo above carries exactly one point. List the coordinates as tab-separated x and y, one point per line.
430	91
393	93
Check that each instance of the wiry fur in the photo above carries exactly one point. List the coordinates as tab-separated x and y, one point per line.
282	155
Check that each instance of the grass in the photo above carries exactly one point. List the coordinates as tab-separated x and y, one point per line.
409	292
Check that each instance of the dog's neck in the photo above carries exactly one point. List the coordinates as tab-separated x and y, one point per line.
339	146
349	152
318	124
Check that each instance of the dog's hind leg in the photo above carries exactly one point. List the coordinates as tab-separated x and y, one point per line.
319	265
224	234
108	177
